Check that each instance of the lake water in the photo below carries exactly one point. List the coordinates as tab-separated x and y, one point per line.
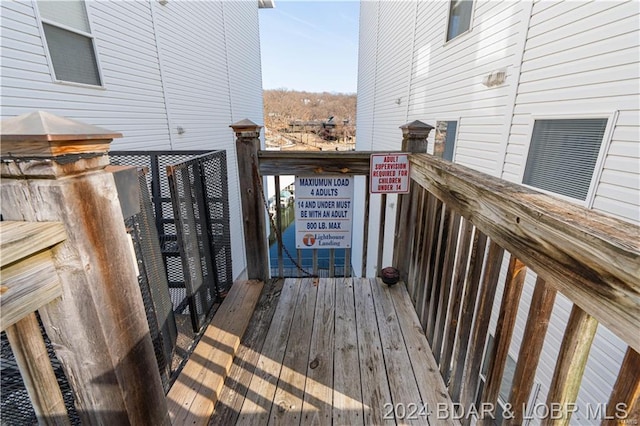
289	241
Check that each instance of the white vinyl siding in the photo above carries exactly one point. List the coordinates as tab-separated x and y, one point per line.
561	58
189	64
243	59
581	59
132	102
407	73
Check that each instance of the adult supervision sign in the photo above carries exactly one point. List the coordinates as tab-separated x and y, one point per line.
389	173
324	211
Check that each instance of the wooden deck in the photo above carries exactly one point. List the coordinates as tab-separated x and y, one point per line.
333	351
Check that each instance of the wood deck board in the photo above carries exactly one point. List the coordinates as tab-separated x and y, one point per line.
375	385
430	384
403	387
192	398
336	352
318	399
262	388
287	402
244	365
347	394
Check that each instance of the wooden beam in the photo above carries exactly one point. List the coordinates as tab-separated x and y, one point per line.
481	327
624	402
535	330
251	196
476	262
590	257
100	316
27	286
22	239
192	397
572	360
315	162
509	305
32	357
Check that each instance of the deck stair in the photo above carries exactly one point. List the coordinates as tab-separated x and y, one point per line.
192	397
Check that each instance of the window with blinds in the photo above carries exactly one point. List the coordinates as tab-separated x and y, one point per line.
459	18
563	154
69	40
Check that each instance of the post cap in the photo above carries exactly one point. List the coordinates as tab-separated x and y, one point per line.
245	125
416	125
42	134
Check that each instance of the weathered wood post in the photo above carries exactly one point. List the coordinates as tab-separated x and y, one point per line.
414	140
53	170
253	209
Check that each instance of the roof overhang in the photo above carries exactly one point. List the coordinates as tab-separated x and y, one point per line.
266	4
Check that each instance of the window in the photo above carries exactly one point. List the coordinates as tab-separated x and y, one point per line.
563	154
505	385
445	139
459	18
71	46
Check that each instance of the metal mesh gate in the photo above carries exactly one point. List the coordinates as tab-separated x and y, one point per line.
156	162
207	173
153	281
200	202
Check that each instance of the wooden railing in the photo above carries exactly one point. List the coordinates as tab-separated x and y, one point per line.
458	232
453	231
314	163
55	170
254	165
29	282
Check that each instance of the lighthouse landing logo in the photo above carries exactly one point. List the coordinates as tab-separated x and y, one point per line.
309	240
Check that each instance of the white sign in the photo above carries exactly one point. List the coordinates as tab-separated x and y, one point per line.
389	173
324	211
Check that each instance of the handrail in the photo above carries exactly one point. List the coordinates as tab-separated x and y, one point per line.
316	162
452	233
29	280
591	258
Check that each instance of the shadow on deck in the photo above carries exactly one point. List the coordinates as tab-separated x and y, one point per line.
347	351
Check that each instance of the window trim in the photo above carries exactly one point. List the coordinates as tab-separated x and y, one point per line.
448	21
47	53
611	117
455	140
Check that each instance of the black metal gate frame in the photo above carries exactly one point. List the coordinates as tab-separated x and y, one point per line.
199	193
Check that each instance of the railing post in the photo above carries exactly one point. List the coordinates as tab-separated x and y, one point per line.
414	140
253	210
53	170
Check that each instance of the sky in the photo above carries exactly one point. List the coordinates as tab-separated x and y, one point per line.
310	45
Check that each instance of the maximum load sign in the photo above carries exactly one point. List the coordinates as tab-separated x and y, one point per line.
324	212
389	173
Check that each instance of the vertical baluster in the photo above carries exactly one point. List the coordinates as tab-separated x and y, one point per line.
278	229
572	360
466	316
624	402
447	274
462	258
534	333
514	283
481	326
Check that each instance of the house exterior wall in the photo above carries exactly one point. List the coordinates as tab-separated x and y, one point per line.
188	64
562	59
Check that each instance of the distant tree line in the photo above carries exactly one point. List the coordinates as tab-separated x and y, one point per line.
282	107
